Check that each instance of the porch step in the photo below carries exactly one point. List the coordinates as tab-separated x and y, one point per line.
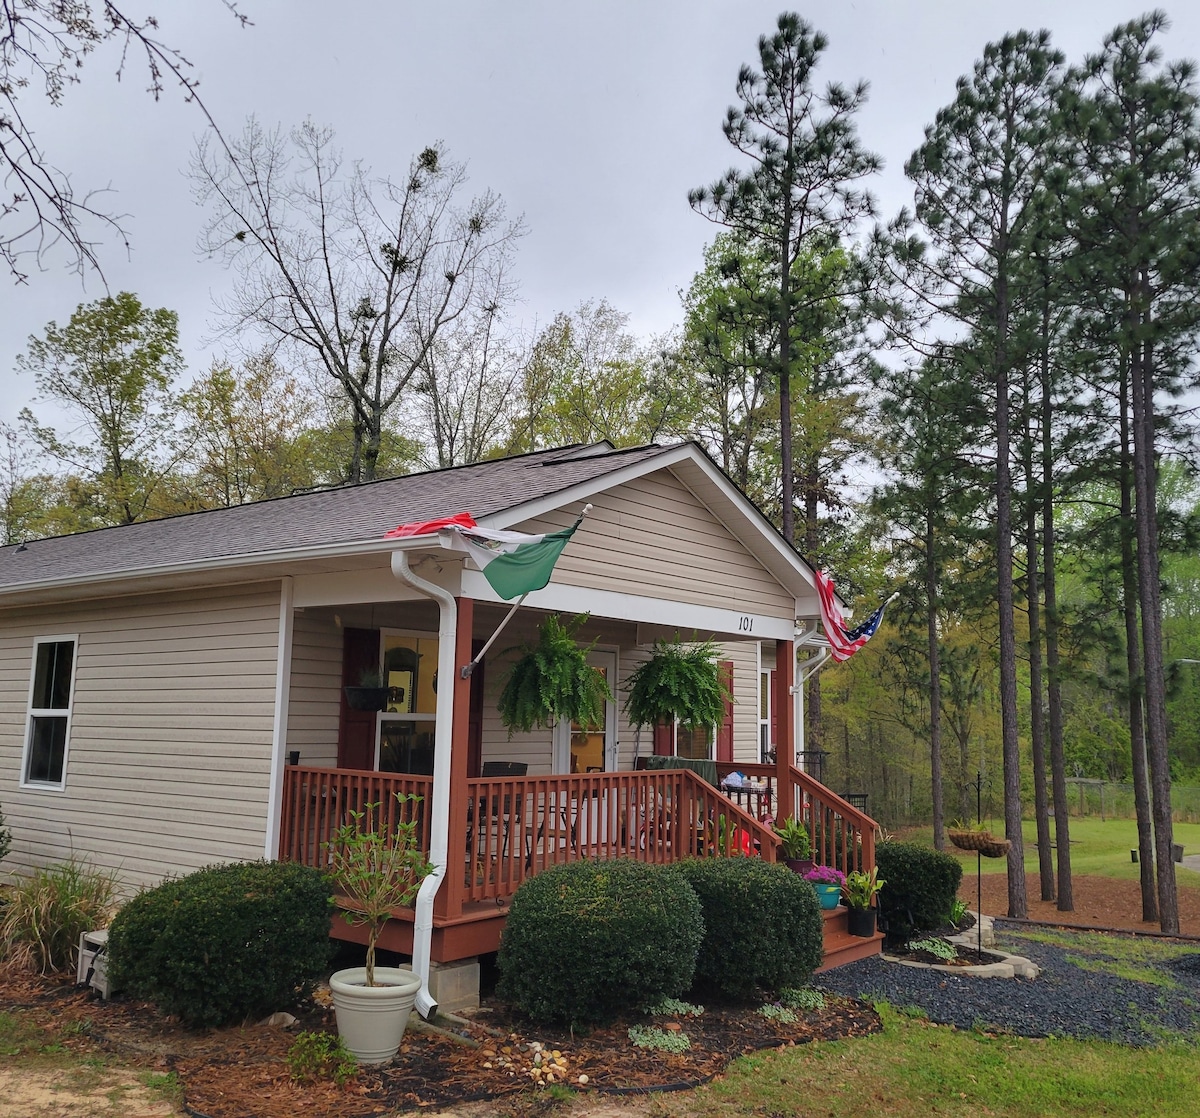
840	946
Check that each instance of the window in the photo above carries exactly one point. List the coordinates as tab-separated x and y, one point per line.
406	727
49	711
694	744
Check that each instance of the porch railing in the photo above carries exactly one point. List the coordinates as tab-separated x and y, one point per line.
520	825
517	826
842	835
316	801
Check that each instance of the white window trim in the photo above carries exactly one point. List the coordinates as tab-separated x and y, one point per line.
44	712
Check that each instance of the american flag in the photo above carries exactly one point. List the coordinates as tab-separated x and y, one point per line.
843	642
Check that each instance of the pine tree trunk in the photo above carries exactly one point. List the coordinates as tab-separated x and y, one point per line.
1146	521
1037	721
935	688
1058	764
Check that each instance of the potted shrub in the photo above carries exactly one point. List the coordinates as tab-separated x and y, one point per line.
678	682
370	694
796	845
828	882
552	680
375	872
858	892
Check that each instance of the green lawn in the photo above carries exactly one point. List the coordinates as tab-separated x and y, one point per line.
913	1069
1099	847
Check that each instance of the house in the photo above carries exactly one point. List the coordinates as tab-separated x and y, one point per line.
172	692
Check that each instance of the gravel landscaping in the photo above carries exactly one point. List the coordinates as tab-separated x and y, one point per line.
1066	1000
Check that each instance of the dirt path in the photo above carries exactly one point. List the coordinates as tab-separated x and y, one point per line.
77	1092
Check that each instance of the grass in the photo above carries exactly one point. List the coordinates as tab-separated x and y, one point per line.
914	1069
1099	847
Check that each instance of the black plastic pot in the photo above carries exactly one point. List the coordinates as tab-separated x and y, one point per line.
860	922
366	698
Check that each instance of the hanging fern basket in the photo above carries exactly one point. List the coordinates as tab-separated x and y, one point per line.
552	681
678	682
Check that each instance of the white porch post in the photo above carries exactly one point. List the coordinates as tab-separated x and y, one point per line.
283	690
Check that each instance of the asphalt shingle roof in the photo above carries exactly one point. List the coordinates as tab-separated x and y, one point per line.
324	518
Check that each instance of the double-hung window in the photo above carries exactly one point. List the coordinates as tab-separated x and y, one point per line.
49	727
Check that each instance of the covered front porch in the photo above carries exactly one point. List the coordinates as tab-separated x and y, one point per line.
498	805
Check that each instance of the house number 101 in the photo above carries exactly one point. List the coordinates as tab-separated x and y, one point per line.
745	624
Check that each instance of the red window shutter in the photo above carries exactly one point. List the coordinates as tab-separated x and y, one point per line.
356	728
725	730
664	739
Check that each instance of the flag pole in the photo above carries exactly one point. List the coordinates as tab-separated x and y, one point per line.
467	670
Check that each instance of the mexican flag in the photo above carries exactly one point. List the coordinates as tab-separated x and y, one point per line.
514	563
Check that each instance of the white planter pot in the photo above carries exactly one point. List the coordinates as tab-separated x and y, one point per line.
371	1019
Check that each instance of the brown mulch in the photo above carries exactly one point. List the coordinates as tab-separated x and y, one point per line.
1099	902
242	1072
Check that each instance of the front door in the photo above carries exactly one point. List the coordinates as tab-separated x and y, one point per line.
584	749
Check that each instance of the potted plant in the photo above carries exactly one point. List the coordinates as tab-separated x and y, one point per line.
552	680
858	892
679	682
375	872
828	882
370	694
796	844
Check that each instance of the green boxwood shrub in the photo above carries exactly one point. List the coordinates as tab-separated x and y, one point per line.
762	926
588	941
921	887
224	943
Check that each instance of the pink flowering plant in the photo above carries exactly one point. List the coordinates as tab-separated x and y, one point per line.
825	875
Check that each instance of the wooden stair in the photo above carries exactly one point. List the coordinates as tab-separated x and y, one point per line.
840	946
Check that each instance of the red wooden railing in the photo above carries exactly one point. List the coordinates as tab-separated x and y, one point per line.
521	825
316	801
517	826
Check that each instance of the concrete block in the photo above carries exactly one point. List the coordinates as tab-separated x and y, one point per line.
455	986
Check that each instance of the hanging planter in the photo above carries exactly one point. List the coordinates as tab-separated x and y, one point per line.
984	842
678	682
369	694
552	681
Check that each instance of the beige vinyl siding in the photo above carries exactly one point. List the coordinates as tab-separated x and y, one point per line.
653	537
314	708
536	747
171	728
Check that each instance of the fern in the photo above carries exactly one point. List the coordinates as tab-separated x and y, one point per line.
678	682
552	680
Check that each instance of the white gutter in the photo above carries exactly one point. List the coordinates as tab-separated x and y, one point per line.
443	731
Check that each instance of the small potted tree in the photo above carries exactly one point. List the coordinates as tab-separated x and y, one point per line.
375	873
552	681
796	845
858	892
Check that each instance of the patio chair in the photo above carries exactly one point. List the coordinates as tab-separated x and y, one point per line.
499	811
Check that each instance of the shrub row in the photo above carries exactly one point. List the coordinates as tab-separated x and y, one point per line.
587	941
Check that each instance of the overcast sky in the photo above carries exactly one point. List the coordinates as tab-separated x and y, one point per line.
592	118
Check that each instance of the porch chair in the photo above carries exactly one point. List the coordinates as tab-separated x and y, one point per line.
500	809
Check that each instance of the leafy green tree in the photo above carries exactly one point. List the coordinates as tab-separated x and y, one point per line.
588	378
112	371
250	432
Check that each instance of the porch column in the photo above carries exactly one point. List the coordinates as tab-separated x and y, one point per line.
449	900
785	738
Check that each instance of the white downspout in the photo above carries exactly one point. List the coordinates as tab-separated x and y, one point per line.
443	736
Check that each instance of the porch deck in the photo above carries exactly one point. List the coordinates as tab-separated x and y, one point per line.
507	829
